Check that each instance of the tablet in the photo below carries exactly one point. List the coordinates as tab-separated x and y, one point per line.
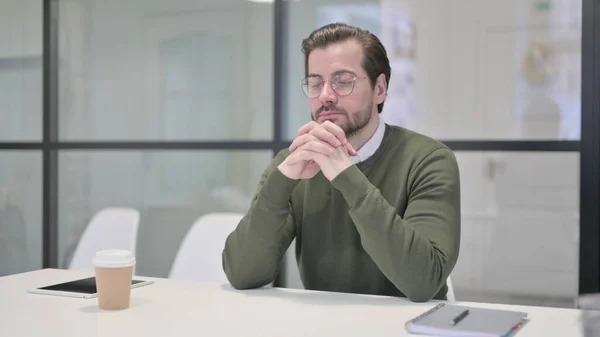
83	288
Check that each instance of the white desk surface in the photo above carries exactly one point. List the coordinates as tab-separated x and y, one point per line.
189	308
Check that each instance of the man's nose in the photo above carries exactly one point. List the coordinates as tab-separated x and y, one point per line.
328	96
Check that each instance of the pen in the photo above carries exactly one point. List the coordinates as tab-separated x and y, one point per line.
459	318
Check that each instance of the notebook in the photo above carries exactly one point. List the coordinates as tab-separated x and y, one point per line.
451	320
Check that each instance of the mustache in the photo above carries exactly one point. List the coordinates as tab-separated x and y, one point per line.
328	108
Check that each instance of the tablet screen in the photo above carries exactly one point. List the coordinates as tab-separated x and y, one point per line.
83	286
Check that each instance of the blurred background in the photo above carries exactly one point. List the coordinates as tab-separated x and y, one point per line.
176	107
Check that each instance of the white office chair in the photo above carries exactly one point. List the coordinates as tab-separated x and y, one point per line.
111	228
199	256
450	295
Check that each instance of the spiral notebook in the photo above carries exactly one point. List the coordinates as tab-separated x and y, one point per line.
455	320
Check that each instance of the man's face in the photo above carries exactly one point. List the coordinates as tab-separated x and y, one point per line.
342	62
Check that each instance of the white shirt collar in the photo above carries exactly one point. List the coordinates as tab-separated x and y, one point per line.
371	145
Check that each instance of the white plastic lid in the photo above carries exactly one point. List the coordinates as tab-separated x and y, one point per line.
114	258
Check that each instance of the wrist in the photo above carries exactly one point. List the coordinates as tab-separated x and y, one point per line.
285	171
278	187
333	171
353	185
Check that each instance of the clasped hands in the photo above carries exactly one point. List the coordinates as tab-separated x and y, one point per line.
318	147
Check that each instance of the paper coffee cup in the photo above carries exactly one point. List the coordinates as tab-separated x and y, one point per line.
114	271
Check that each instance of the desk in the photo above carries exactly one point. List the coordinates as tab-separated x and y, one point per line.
187	308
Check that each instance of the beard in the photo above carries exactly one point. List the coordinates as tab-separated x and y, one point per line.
357	120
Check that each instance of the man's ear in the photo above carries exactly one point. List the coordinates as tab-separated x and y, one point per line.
380	89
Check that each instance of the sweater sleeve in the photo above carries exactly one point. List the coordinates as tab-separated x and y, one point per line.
254	250
416	252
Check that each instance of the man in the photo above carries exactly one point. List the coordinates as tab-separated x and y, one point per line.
374	208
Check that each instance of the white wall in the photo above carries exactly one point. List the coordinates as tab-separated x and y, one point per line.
112	89
471	84
21	33
21	70
120	50
20	120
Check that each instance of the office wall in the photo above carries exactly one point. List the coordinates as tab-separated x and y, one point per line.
136	70
21	70
150	70
473	82
22	28
121	46
20	120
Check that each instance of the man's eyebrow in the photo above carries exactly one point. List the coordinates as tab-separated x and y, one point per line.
337	72
343	71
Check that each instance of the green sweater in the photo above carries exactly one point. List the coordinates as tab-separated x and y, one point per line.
389	225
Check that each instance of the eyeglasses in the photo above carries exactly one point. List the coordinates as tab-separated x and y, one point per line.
342	84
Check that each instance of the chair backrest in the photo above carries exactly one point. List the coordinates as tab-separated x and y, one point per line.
111	228
450	295
199	256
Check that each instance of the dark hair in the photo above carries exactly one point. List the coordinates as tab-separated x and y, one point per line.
375	59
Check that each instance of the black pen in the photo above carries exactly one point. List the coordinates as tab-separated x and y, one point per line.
459	318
